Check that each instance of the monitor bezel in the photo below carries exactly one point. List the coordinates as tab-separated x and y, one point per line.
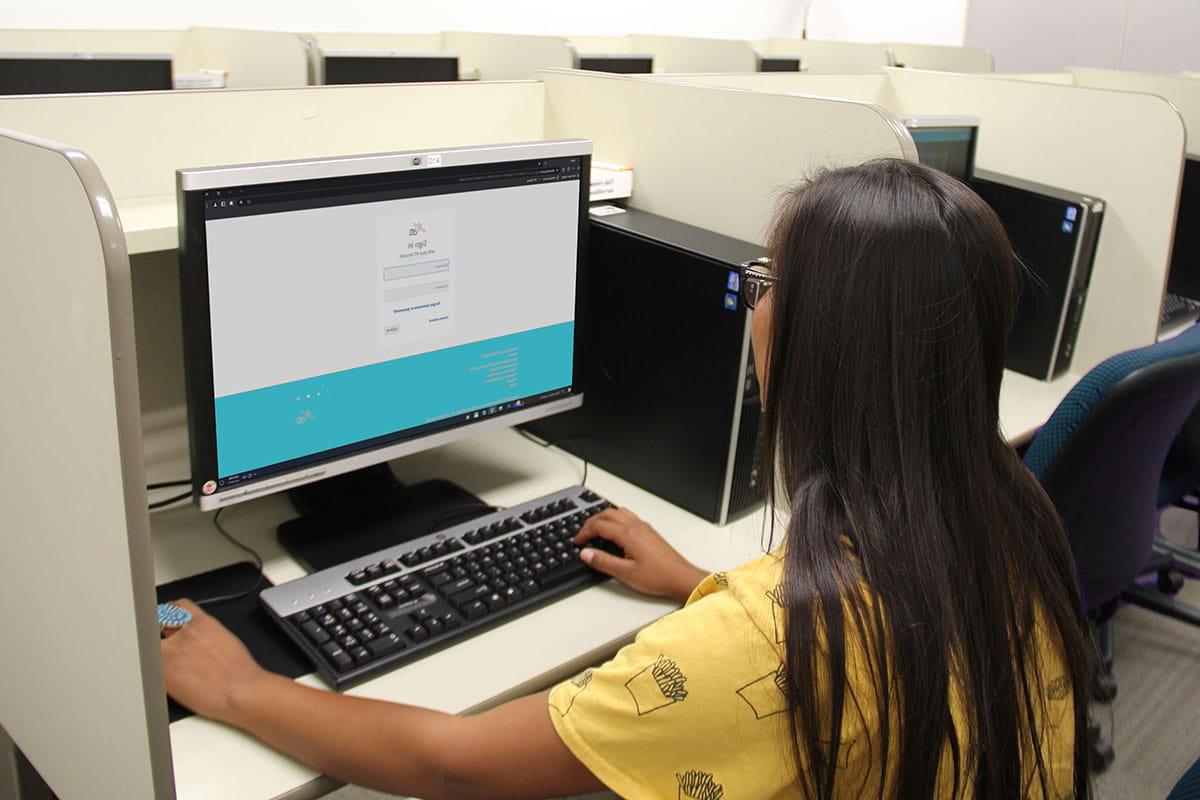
197	338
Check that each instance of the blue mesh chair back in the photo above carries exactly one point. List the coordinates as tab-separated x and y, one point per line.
1100	458
1188	787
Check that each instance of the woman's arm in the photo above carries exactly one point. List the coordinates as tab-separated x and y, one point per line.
511	751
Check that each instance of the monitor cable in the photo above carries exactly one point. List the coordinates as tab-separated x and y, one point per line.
257	561
570	439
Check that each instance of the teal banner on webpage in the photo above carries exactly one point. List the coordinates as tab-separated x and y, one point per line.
292	420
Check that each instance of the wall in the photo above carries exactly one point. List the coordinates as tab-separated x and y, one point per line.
747	19
926	22
1036	35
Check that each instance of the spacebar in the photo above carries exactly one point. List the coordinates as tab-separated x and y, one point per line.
561	574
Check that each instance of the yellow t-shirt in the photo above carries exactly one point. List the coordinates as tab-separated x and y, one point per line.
693	709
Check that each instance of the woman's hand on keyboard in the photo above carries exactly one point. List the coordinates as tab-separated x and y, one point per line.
650	565
206	667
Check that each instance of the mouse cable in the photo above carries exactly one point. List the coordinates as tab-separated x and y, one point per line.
258	565
570	439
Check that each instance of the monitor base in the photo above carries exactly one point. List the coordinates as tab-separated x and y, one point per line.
369	510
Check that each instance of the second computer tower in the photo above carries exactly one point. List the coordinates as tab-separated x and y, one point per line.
671	401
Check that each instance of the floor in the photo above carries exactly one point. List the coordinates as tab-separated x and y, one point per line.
1153	722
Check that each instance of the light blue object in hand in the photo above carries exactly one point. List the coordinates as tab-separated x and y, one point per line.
172	617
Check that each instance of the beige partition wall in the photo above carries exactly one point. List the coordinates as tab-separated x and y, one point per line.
83	692
193	129
602	44
251	59
378	41
687	54
728	178
942	58
819	56
90	41
1183	92
504	56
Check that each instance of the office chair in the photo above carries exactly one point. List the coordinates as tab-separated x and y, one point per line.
1188	787
1100	459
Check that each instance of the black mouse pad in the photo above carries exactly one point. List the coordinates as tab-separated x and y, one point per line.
244	617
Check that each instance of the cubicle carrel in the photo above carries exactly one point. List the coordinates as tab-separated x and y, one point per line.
1033	131
98	237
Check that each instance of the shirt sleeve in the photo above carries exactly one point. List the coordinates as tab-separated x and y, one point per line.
691	710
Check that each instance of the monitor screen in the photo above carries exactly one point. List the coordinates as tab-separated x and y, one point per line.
1184	278
342	312
945	144
55	73
768	63
350	67
621	63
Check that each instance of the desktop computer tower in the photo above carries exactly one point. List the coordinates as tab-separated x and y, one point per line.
671	401
1054	232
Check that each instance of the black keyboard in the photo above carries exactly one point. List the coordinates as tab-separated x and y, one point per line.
375	613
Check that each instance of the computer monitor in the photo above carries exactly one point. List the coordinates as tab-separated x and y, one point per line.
946	143
778	63
56	73
620	63
1055	233
416	66
339	313
1184	279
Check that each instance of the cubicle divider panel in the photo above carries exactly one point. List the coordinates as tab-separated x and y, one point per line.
505	56
1122	147
820	56
1060	78
942	58
602	44
703	156
1183	92
151	134
866	87
40	40
687	54
83	678
379	41
252	59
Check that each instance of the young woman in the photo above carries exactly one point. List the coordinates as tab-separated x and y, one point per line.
917	633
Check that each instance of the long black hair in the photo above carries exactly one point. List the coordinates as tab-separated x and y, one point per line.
914	529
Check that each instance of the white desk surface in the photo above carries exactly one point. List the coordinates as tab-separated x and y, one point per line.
521	656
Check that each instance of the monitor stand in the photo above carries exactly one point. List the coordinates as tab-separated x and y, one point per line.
351	515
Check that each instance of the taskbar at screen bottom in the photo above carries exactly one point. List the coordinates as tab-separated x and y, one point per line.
363	454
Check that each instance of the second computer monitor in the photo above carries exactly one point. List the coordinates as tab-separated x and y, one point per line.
342	312
55	73
946	143
349	67
621	63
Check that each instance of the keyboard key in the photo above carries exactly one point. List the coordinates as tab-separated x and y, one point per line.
338	631
457	586
385	601
380	628
439	578
563	573
474	537
449	621
358	578
361	655
315	633
303	616
385	645
355	625
434	626
511	594
340	659
477	592
474	610
365	635
417	633
348	642
495	601
529	586
327	620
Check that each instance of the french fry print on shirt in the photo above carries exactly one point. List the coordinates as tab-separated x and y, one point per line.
657	686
